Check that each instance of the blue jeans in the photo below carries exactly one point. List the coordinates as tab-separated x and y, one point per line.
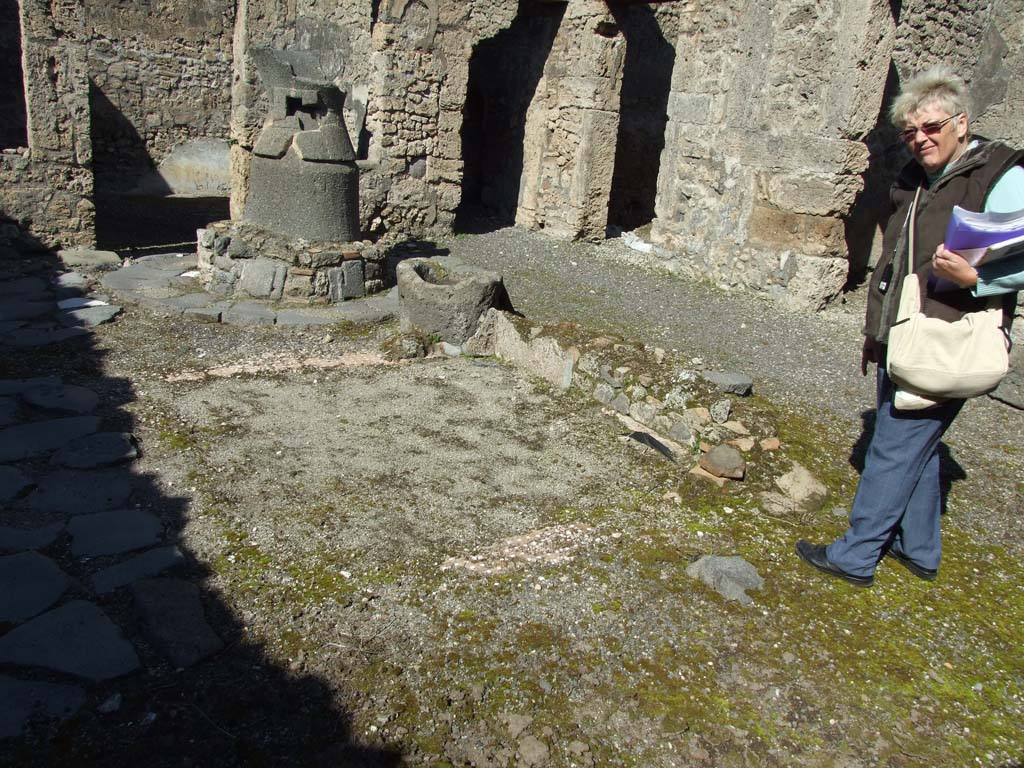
898	501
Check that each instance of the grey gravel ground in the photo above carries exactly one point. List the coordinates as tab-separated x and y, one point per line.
808	359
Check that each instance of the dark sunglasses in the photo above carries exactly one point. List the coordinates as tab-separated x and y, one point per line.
928	129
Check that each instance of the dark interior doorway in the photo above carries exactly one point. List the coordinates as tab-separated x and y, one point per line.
13	116
503	75
646	82
127	221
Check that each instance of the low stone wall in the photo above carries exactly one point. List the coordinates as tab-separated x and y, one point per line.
243	260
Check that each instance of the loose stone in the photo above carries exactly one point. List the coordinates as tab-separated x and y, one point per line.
147	564
729	576
724	461
731	383
720	411
173	620
76	638
29	584
78	492
61	398
99	450
113	532
27	440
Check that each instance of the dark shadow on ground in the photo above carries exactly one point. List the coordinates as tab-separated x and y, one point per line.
235	708
137	224
411	248
643	115
503	75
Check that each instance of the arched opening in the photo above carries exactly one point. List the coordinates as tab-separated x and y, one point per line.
503	75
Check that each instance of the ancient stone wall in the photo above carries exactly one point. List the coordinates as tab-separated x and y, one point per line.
161	77
748	136
339	34
984	42
406	67
46	187
763	156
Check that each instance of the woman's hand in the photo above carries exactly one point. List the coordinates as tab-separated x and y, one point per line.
951	266
868	354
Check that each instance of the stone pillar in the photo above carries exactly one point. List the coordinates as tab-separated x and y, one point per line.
50	183
571	128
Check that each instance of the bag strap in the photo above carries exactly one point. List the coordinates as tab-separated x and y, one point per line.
911	226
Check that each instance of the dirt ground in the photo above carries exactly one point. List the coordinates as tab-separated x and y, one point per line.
445	562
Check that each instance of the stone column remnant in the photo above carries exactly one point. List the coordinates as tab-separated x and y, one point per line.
304	181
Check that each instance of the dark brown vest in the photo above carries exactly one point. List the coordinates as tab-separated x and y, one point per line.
967	185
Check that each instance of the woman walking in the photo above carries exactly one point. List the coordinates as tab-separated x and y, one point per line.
898	503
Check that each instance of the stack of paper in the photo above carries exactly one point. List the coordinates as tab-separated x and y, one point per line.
970	234
982	238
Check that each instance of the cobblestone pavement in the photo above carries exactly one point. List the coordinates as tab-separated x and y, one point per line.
70	488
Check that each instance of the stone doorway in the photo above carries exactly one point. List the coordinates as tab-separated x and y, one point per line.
646	81
504	71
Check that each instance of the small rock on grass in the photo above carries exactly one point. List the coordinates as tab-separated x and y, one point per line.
724	461
736	426
801	486
533	752
729	576
703	473
720	411
732	383
517	724
604	393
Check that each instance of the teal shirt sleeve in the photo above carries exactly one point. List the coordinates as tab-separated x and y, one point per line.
1007	275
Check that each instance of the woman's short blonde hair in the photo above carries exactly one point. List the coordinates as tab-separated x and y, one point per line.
936	87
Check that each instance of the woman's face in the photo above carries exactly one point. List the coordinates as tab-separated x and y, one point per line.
935	137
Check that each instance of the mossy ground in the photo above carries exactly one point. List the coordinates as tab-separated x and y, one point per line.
322	506
620	649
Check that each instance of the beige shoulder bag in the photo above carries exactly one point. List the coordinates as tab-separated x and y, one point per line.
942	359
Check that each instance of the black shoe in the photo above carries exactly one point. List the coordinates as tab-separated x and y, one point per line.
814	554
928	574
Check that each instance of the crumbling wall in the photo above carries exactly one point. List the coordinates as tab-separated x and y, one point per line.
338	32
984	42
405	66
46	187
763	155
